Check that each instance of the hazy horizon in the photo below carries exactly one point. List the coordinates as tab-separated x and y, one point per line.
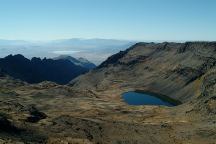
97	29
95	50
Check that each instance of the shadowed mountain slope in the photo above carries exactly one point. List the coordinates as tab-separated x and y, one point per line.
37	70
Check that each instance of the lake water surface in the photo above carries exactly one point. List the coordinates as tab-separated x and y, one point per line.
142	98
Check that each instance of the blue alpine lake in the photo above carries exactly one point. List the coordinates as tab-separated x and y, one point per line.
142	98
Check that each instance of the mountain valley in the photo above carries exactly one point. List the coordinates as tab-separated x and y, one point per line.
90	109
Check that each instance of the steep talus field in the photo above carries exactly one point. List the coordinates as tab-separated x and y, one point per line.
90	110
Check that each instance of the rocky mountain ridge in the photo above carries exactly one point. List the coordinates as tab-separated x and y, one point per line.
172	69
37	70
79	61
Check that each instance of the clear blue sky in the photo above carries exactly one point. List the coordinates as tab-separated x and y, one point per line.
116	19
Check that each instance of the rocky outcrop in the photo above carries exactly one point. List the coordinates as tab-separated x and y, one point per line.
35	115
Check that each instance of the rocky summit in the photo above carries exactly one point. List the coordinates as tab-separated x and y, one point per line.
90	110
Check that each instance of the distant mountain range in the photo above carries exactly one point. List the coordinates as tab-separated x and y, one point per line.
95	50
80	61
37	70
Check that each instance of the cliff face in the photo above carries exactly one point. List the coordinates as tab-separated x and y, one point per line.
172	69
